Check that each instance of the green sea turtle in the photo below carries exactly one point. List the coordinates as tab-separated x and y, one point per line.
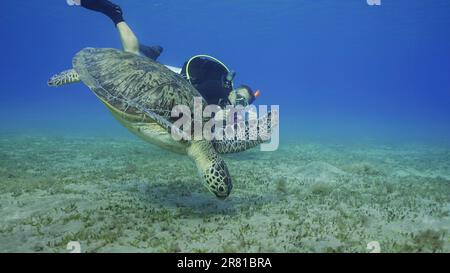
140	93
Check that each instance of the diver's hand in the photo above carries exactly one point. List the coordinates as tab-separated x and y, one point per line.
73	2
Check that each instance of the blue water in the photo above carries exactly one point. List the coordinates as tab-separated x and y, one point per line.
340	70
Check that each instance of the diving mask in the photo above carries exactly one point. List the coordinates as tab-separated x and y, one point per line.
240	96
242	101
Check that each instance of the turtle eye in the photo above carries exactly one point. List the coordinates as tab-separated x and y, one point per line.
221	189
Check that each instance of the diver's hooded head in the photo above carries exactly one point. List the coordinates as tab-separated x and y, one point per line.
243	95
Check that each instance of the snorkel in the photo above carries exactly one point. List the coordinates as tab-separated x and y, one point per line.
256	95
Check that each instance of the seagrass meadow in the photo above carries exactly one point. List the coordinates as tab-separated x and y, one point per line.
123	195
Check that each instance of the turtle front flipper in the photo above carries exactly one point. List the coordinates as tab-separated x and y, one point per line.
211	168
210	165
248	141
63	78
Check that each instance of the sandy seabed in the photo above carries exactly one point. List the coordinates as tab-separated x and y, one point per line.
124	195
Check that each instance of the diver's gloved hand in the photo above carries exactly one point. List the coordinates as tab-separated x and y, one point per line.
73	2
106	7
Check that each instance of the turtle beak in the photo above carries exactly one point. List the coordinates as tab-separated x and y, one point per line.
221	197
224	192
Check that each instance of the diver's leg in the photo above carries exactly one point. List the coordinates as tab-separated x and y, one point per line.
129	40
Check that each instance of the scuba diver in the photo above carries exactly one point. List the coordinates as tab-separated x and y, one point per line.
208	75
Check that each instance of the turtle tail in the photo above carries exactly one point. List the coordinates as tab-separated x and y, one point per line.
63	78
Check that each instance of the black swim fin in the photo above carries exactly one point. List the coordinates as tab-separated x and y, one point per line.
106	7
151	52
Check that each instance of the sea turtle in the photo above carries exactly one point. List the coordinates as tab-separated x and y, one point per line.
140	93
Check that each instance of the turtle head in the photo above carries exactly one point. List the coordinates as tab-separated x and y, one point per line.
212	168
217	179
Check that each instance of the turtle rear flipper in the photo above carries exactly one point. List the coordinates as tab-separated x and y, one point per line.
63	78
